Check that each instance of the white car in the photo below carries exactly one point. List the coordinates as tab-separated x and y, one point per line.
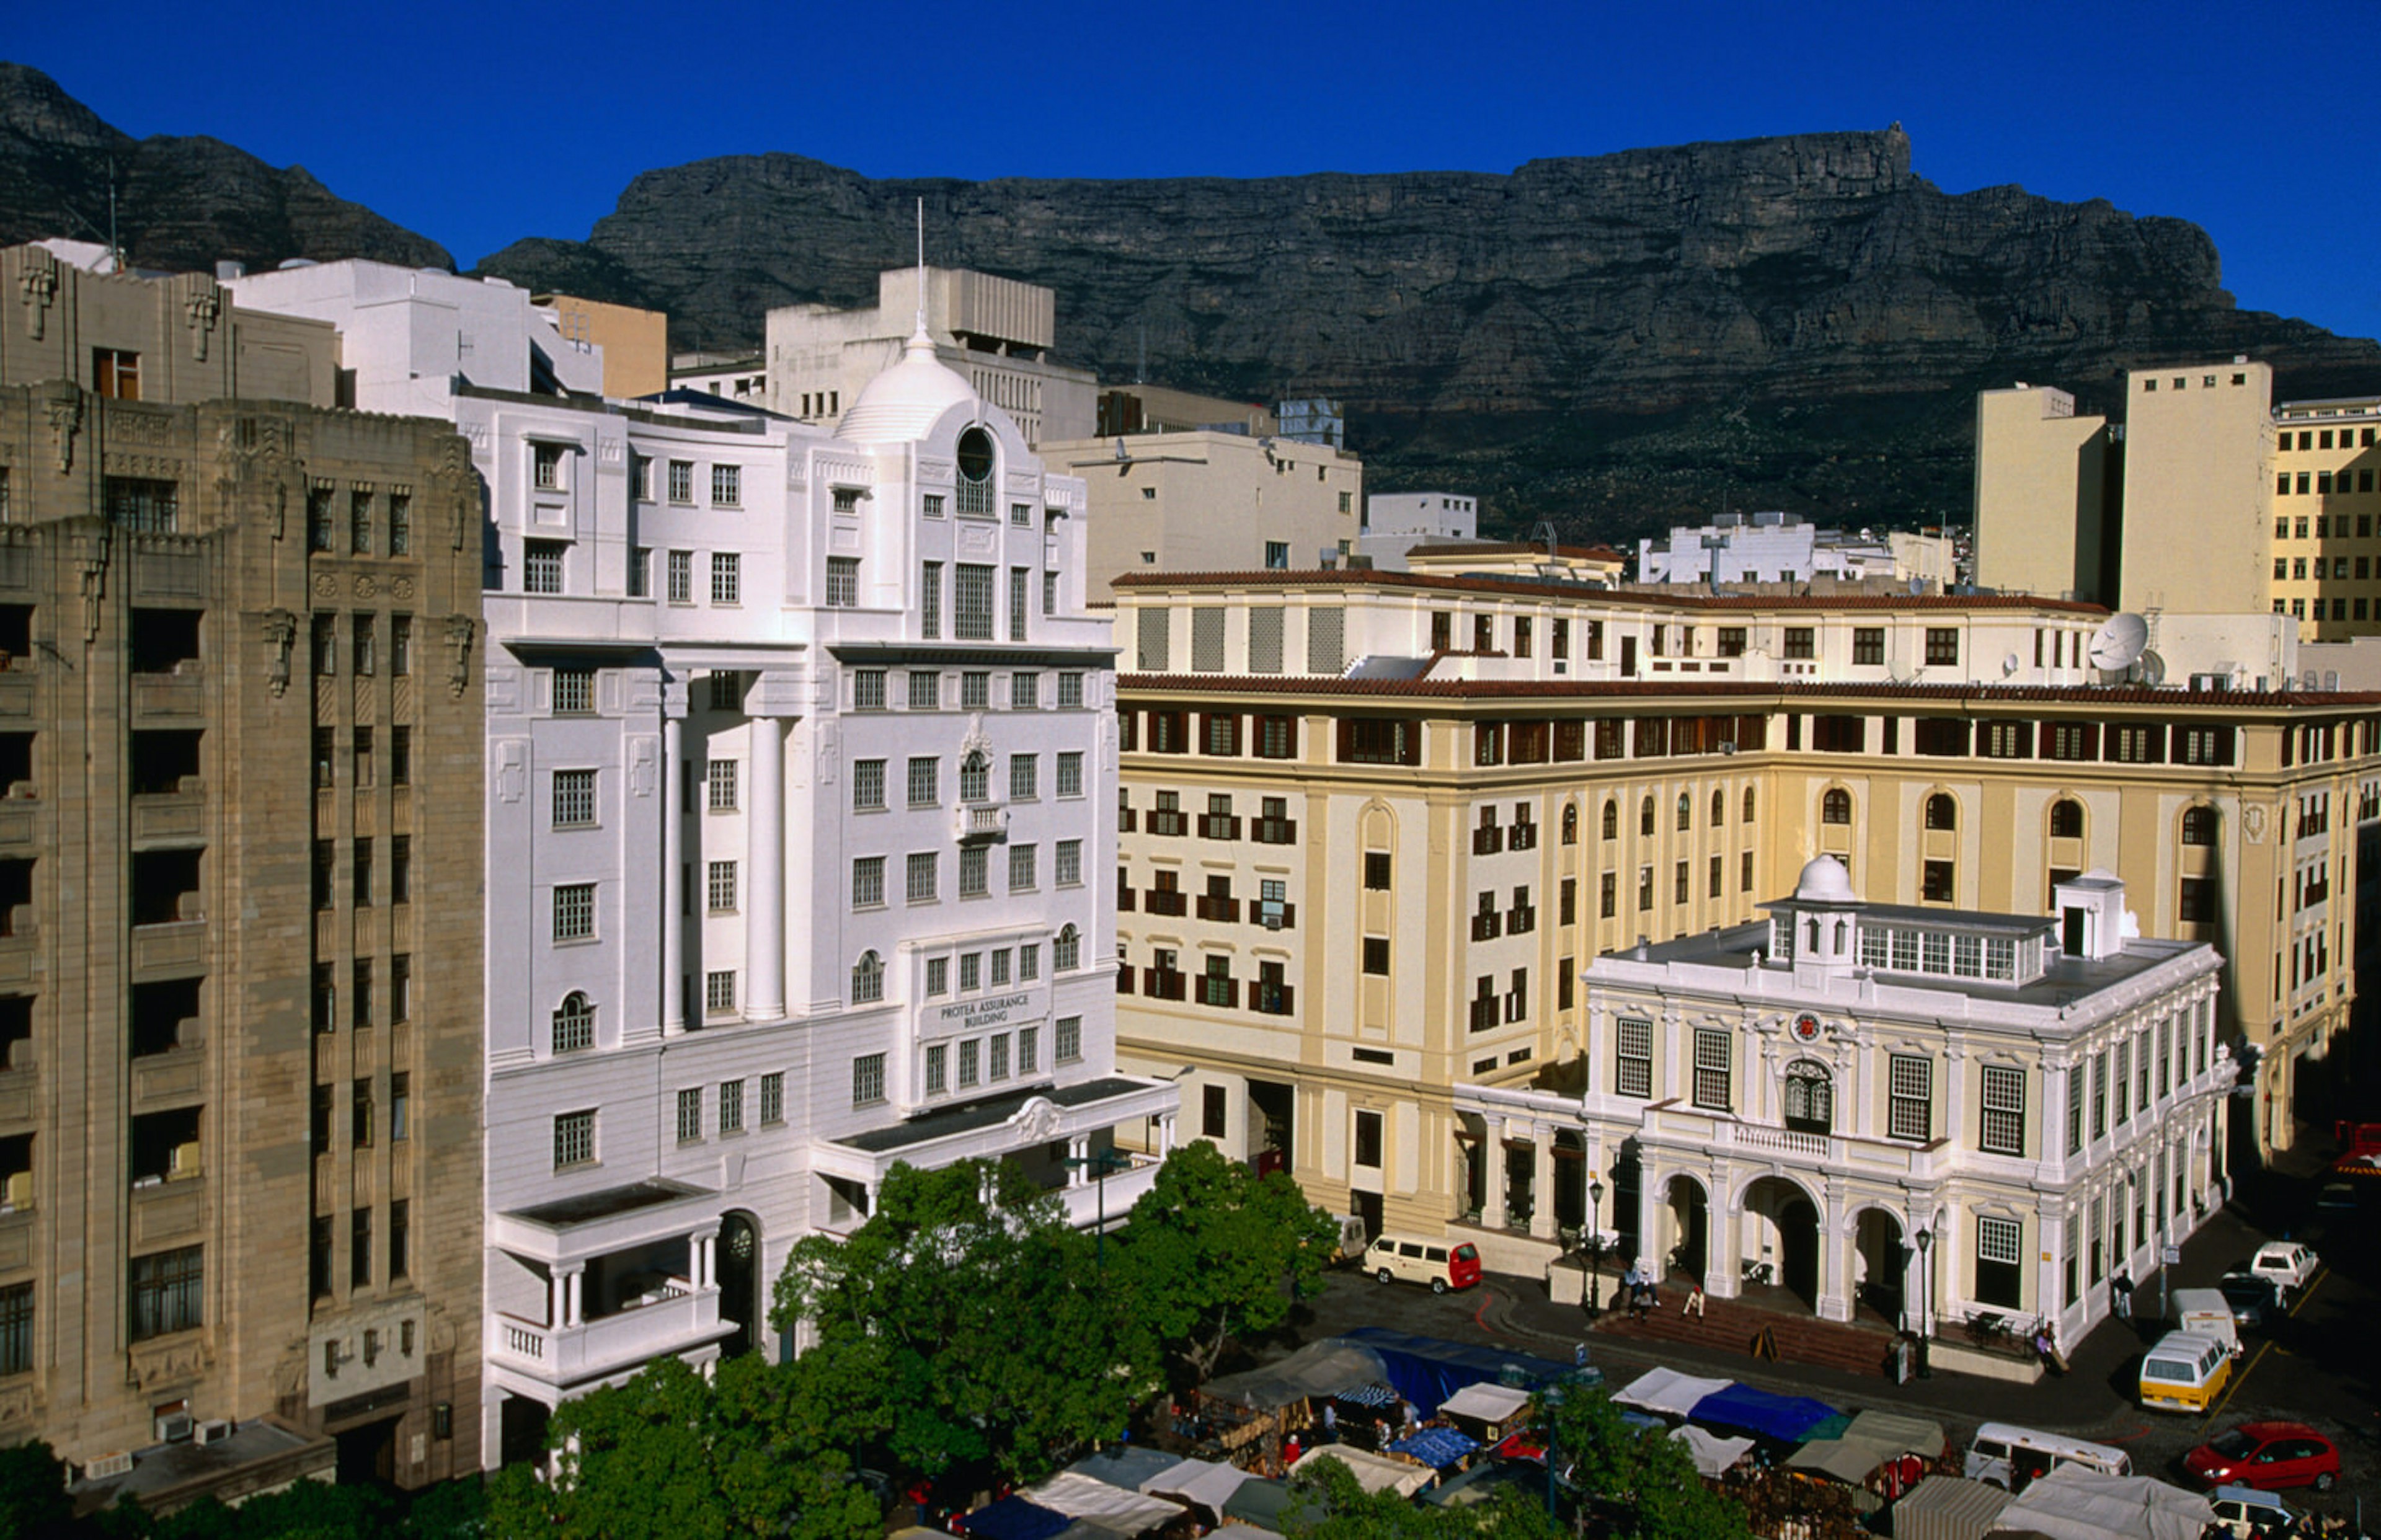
2287	1263
2249	1514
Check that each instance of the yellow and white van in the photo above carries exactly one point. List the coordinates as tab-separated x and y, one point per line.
2185	1372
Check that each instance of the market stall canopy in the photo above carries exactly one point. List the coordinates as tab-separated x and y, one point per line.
1014	1518
1377	1472
1713	1454
1788	1419
1872	1438
1111	1508
1326	1368
1427	1370
1126	1465
1485	1402
1200	1483
1437	1448
1667	1391
1271	1504
2075	1503
1949	1508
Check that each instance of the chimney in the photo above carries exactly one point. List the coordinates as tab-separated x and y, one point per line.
227	271
2090	911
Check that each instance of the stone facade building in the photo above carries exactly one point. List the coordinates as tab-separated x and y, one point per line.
241	672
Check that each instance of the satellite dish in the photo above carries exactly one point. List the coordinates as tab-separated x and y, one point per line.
2152	671
2118	644
2009	665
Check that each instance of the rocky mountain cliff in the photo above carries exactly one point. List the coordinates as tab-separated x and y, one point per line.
181	203
1795	323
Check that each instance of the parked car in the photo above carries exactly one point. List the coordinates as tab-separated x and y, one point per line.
2288	1263
2249	1514
2338	1197
2255	1301
2268	1456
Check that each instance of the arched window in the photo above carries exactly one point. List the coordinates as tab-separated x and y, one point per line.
1686	813
2066	819
1571	823
1942	812
867	978
1645	817
574	1025
975	779
1748	804
1611	819
1720	808
1836	807
1067	952
2199	826
1809	1097
975	465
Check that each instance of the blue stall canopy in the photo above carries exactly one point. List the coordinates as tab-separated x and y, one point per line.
1014	1519
1437	1448
1788	1419
1427	1370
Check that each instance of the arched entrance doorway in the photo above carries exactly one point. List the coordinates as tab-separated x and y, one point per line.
1784	1237
1883	1264
1690	1228
739	1281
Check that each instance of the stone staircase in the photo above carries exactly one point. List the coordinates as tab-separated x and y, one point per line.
1731	1327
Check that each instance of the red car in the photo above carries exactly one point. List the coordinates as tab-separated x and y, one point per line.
2268	1456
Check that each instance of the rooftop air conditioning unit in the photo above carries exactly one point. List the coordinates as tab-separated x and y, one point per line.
108	1466
214	1430
175	1427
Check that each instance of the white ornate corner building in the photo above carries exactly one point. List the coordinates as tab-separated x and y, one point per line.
801	752
1926	1112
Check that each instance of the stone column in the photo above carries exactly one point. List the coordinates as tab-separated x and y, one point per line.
1166	1135
705	1260
765	930
1837	1237
673	876
1542	1184
1079	1152
1492	1194
573	1277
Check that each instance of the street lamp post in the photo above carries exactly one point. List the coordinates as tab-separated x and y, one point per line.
1594	1249
1553	1402
1099	1166
1927	1305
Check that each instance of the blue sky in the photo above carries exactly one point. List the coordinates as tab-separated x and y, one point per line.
479	124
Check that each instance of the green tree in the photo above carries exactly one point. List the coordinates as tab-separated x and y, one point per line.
1642	1479
304	1510
32	1488
965	1324
1349	1513
1215	1251
673	1453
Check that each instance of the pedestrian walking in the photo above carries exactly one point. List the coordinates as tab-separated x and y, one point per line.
2120	1296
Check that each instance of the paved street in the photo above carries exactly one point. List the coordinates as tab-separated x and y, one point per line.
2318	1366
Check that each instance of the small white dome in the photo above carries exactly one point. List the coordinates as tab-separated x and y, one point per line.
1825	881
906	401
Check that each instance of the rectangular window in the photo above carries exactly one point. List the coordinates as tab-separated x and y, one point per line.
574	912
574	1140
1018	590
719	992
923	877
574	692
690	1115
546	462
731	1107
400	645
975	873
1910	1088
842	583
971	603
1068	872
925	782
868	785
1023	878
681	480
1066	1044
773	1097
1999	1267
719	888
938	1077
574	799
727	485
1025	691
1070	773
970	1063
867	689
1024	775
1712	1077
1376	956
680	567
541	567
400	1238
868	881
116	373
1868	644
359	522
640	566
930	599
1942	646
727	577
2003	1130
925	690
1634	1058
168	1293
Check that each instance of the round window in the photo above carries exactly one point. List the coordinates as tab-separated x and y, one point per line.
975	455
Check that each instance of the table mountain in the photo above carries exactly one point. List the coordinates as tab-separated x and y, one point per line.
181	203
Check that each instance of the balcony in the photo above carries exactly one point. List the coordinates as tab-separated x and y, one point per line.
1172	902
170	818
170	699
678	1319
1124	1187
1717	1132
978	822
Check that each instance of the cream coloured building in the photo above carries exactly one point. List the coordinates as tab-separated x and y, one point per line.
1802	1097
2207	496
1212	501
994	333
1332	757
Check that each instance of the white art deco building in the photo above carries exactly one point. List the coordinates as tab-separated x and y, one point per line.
800	751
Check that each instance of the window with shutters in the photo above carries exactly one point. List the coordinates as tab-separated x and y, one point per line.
1207	641
1634	1058
1153	634
1325	650
2002	1130
1264	641
1909	1090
